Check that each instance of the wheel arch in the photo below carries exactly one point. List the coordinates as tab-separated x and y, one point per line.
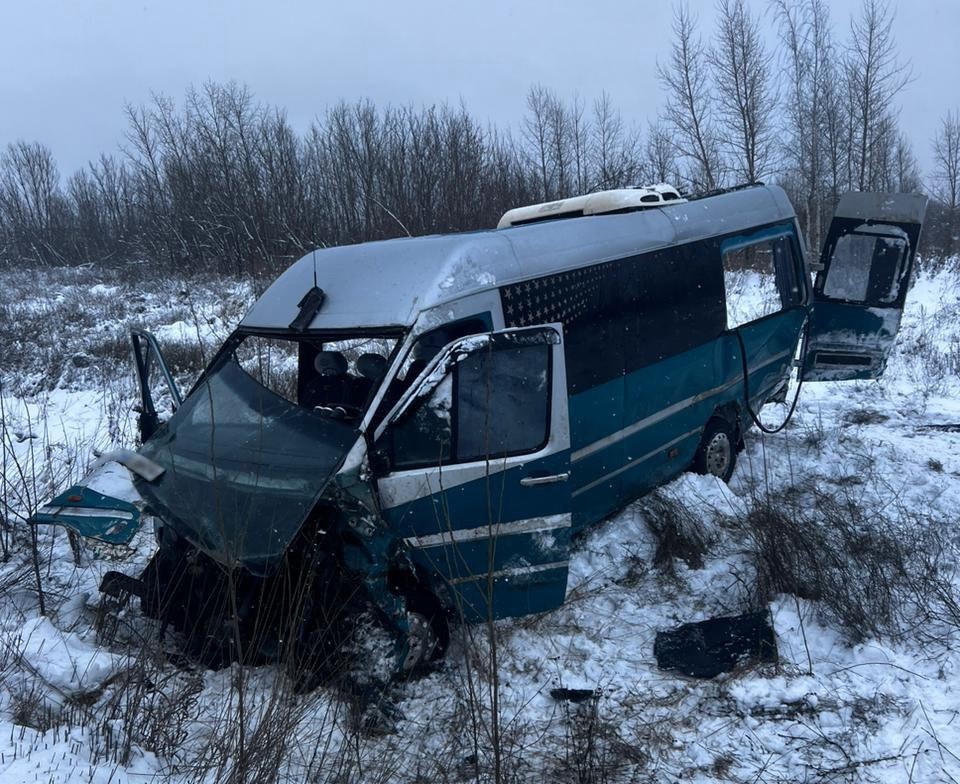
732	413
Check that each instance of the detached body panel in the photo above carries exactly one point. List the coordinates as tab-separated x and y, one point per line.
859	292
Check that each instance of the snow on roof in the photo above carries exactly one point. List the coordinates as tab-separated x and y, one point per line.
388	283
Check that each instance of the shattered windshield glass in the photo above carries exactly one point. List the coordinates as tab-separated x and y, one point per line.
245	463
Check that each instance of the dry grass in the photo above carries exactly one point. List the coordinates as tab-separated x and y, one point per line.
875	570
69	328
679	533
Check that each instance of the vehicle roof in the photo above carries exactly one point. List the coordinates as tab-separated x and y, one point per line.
388	283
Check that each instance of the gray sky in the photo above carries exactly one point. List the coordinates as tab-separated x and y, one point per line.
66	68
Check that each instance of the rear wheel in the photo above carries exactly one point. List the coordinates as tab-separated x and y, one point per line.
717	453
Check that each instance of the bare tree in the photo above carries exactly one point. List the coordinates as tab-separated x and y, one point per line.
579	126
31	201
689	104
945	177
614	159
906	168
836	139
875	76
536	133
560	145
660	155
746	96
946	160
809	76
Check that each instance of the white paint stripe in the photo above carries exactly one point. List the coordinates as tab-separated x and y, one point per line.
82	511
663	413
515	572
632	463
530	526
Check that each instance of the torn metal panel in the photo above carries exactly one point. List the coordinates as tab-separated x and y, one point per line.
91	514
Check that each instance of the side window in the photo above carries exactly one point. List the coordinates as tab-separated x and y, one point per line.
680	286
426	348
502	402
760	279
866	268
494	402
423	436
430	343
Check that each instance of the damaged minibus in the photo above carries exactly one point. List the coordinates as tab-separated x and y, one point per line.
418	428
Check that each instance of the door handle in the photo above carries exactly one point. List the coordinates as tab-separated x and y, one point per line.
533	481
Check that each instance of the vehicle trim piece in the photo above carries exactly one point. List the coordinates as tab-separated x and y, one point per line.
608	476
85	511
140	464
530	526
517	571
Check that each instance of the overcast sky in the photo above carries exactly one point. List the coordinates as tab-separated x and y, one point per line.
67	68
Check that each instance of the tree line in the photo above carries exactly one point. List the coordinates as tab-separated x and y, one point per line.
224	181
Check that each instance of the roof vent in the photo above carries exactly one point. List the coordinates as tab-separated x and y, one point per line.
636	197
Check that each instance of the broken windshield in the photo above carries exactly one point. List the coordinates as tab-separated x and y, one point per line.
249	452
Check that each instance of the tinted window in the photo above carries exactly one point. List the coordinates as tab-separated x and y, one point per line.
675	302
495	401
502	402
589	303
622	315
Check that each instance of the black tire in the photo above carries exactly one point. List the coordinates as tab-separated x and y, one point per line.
717	453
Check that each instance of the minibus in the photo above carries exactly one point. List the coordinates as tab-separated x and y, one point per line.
423	426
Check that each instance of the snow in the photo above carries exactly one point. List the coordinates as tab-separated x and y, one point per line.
833	708
114	480
63	661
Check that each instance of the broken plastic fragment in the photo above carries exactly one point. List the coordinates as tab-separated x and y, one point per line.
707	648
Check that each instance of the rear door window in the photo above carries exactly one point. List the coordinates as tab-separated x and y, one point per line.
866	268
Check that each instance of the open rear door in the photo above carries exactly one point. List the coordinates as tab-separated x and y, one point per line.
861	285
478	479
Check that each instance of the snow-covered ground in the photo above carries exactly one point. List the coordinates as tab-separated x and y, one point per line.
78	704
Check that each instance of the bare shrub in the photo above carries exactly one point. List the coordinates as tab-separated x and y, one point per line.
69	328
875	577
30	708
864	416
594	750
680	535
